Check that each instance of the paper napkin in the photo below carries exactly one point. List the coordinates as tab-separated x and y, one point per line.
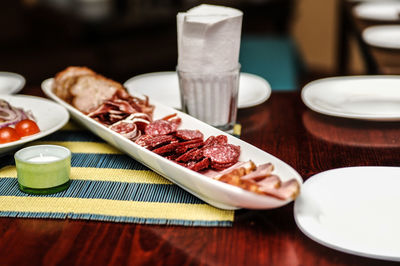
209	38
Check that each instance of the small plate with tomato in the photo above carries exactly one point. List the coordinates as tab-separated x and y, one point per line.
48	117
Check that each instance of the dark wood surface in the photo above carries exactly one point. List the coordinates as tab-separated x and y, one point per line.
282	126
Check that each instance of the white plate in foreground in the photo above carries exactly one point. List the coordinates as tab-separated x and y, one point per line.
385	36
49	116
378	10
11	83
354	210
163	87
214	192
359	97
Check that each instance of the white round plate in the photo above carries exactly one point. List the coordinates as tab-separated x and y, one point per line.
11	83
385	36
49	116
164	88
360	97
354	210
378	10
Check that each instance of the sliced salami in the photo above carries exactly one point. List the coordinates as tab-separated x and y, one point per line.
166	148
126	129
191	155
187	147
221	139
203	164
161	140
222	154
150	142
175	122
144	141
184	146
221	166
213	140
123	127
171	156
159	127
187	134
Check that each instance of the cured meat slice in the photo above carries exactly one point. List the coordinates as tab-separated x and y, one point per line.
187	134
191	155
242	167
123	127
271	182
203	164
262	171
121	105
134	116
239	169
221	139
288	189
222	154
144	141
175	123
161	140
159	127
222	166
115	110
140	123
126	129
171	156
149	141
184	146
174	120
212	140
166	148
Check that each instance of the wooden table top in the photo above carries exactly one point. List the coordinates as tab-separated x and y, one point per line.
282	126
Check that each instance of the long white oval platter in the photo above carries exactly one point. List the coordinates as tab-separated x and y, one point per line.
163	87
214	192
49	116
354	210
359	97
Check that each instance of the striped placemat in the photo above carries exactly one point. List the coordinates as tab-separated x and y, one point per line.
107	185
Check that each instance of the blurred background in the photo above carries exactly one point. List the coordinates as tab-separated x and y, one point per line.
286	41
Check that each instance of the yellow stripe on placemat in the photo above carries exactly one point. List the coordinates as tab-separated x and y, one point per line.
117	175
82	147
8	171
154	210
103	174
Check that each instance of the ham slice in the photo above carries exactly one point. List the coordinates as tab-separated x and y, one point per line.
260	180
271	182
262	171
247	167
288	190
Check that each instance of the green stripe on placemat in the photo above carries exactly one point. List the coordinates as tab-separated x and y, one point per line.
106	185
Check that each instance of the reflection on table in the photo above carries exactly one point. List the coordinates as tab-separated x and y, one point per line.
352	132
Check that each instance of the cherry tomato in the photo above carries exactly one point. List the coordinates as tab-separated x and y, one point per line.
8	134
26	127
